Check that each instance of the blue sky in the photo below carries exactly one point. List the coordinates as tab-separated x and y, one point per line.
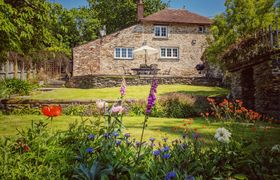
208	8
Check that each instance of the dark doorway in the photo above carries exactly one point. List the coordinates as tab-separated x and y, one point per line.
248	87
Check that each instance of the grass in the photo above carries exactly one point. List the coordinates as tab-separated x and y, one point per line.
133	92
157	127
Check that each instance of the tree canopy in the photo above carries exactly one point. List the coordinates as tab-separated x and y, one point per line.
116	15
241	19
36	28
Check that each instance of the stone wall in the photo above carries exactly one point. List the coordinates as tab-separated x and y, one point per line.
97	57
267	89
95	81
262	87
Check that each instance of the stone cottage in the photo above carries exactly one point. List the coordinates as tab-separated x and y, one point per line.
177	34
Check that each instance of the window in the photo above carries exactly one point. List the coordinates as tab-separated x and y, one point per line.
202	29
160	31
169	53
123	53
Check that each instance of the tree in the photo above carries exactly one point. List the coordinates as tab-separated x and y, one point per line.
241	19
116	15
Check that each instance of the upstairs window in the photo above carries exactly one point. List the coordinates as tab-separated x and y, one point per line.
202	29
123	53
160	31
169	53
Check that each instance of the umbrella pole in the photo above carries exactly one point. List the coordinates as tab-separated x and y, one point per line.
146	56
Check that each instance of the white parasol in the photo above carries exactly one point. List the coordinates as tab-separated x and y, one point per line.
146	50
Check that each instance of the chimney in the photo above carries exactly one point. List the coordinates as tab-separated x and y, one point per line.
140	10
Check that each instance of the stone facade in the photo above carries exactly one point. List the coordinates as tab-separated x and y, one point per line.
97	57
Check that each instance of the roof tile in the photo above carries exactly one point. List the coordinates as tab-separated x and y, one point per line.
181	16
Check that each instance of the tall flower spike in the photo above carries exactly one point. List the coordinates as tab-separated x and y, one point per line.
152	97
123	87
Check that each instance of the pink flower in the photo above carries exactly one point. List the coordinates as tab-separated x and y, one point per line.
123	88
117	109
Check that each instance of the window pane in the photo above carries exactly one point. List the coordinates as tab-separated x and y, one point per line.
118	52
157	31
168	52
123	52
163	31
129	52
175	52
163	52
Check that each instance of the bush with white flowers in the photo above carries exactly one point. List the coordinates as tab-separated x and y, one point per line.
222	135
276	148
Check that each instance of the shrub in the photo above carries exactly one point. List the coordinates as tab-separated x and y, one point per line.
173	105
10	87
80	110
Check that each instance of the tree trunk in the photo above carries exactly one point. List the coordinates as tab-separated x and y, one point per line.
7	69
28	71
22	69
34	70
15	68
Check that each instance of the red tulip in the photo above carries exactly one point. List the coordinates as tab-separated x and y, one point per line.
52	111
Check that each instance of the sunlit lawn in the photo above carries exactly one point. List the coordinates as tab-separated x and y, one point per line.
133	92
157	127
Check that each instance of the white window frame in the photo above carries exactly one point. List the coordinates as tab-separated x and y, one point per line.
121	54
172	55
160	31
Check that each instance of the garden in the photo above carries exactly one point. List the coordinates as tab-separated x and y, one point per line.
157	131
166	137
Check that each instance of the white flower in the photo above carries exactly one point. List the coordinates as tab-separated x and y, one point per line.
276	148
100	104
222	135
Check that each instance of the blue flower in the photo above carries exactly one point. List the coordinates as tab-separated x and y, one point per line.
91	136
195	136
115	134
137	143
166	148
89	150
156	152
152	139
190	178
127	142
118	143
170	175
106	135
166	156
183	146
127	135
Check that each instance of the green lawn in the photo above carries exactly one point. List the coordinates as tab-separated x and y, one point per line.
157	127
133	92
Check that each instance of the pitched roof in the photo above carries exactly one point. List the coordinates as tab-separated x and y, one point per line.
181	16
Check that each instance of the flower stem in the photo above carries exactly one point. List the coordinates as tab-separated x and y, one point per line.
141	140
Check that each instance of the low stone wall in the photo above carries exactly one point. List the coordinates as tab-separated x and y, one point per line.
95	81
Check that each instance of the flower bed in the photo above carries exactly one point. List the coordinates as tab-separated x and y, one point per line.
101	150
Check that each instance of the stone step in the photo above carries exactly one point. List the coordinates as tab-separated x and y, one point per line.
55	84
